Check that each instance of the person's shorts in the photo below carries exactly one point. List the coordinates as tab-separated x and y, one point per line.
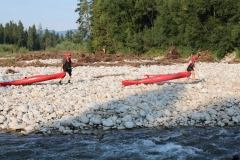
190	68
69	71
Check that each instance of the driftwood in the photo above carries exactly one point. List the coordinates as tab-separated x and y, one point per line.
100	76
10	71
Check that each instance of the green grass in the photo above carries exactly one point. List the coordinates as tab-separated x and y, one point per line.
155	52
186	51
214	54
237	54
8	50
68	46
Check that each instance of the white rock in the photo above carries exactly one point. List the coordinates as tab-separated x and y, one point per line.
196	117
129	124
23	108
118	121
231	112
224	116
25	118
149	117
52	115
6	108
18	126
69	131
167	113
128	117
160	120
49	109
84	119
29	128
94	106
36	112
139	123
122	109
2	119
142	113
95	120
107	123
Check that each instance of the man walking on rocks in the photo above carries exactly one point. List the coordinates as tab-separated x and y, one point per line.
66	66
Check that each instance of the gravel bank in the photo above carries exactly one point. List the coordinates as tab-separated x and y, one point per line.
91	103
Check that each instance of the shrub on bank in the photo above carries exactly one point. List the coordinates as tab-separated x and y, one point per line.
68	46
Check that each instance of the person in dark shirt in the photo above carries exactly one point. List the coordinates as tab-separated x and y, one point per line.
190	67
66	66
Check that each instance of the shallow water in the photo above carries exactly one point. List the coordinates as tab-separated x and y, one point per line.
186	143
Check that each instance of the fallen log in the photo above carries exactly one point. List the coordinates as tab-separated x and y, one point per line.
100	76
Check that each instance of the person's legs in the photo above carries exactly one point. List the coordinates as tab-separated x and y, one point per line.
70	75
193	76
60	82
188	78
69	78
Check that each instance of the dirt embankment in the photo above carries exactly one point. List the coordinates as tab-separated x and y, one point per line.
171	56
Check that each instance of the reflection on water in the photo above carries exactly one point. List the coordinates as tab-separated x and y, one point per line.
177	143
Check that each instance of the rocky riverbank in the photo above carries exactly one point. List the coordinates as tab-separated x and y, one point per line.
96	99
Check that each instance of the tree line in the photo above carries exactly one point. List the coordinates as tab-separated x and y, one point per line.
141	26
32	39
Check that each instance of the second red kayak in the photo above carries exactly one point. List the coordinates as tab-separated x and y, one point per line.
34	79
156	78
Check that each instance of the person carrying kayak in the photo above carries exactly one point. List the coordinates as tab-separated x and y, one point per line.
66	67
190	67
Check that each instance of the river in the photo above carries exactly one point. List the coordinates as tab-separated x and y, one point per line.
182	143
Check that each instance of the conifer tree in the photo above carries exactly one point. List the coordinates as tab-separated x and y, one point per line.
1	34
20	35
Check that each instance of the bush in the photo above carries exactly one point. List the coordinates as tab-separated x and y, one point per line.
68	46
23	50
238	53
221	54
154	52
7	48
186	51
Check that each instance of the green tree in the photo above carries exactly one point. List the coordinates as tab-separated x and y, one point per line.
40	37
69	35
84	10
32	38
7	31
46	39
1	34
53	37
20	35
118	25
61	38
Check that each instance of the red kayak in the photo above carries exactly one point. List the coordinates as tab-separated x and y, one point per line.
34	79
156	78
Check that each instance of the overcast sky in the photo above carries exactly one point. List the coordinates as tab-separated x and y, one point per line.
58	15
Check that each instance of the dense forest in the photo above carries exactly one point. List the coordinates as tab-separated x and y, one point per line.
141	26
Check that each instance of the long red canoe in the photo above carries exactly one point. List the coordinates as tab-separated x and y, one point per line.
34	79
156	78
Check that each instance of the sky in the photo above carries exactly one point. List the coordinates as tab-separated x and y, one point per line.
58	15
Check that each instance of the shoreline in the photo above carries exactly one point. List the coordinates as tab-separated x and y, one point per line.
105	104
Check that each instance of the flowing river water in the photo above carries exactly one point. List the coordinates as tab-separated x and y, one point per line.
182	143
